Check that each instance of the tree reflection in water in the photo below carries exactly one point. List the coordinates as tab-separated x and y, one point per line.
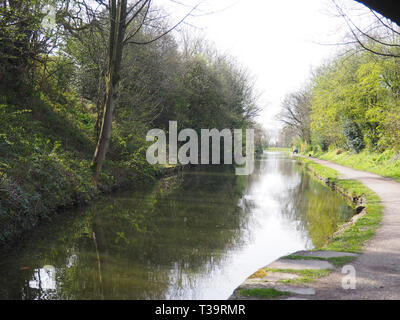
186	237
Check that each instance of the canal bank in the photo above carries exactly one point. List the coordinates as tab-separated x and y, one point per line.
319	274
191	236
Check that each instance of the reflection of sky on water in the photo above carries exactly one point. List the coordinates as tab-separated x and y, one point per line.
194	236
268	236
44	278
43	284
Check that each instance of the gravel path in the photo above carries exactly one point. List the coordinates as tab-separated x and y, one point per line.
378	268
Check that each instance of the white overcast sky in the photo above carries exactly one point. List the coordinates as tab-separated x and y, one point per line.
278	41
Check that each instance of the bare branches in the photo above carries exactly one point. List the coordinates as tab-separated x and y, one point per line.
141	24
139	11
386	25
80	15
130	38
102	3
371	40
295	114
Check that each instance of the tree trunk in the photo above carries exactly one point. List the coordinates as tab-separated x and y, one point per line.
118	12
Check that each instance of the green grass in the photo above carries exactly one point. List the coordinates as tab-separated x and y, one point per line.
336	261
264	293
350	239
321	171
353	238
279	149
386	164
45	163
341	261
306	275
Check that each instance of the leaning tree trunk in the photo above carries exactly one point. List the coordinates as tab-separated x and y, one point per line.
118	14
105	132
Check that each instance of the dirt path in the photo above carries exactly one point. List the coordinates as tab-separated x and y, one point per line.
378	268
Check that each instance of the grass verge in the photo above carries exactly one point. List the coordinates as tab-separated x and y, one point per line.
386	164
279	149
336	261
350	239
306	275
354	237
267	293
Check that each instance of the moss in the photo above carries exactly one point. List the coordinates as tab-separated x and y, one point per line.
336	261
341	261
306	275
264	293
259	274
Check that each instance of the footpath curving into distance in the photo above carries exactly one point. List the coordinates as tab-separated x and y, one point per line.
377	268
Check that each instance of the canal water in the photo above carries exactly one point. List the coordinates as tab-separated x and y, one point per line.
197	235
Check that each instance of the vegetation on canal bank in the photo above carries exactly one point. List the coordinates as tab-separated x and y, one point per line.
348	112
306	275
350	238
45	163
265	293
336	261
385	163
279	149
353	237
56	93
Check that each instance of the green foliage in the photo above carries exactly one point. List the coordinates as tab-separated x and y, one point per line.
52	89
264	293
37	174
45	163
353	135
386	163
306	275
23	41
353	238
355	103
321	171
336	261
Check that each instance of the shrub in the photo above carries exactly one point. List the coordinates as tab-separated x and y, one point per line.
354	136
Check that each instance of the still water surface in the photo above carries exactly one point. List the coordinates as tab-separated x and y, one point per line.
194	236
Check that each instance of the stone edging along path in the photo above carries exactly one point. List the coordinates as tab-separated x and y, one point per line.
377	268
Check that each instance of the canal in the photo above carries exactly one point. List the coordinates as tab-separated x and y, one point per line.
197	235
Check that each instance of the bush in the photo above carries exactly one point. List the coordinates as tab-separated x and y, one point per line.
45	165
354	136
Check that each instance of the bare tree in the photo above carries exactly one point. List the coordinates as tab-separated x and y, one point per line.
379	35
295	114
261	139
388	8
286	137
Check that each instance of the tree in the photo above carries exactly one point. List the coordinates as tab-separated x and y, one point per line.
261	138
355	103
125	20
24	42
286	137
378	35
388	8
295	114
